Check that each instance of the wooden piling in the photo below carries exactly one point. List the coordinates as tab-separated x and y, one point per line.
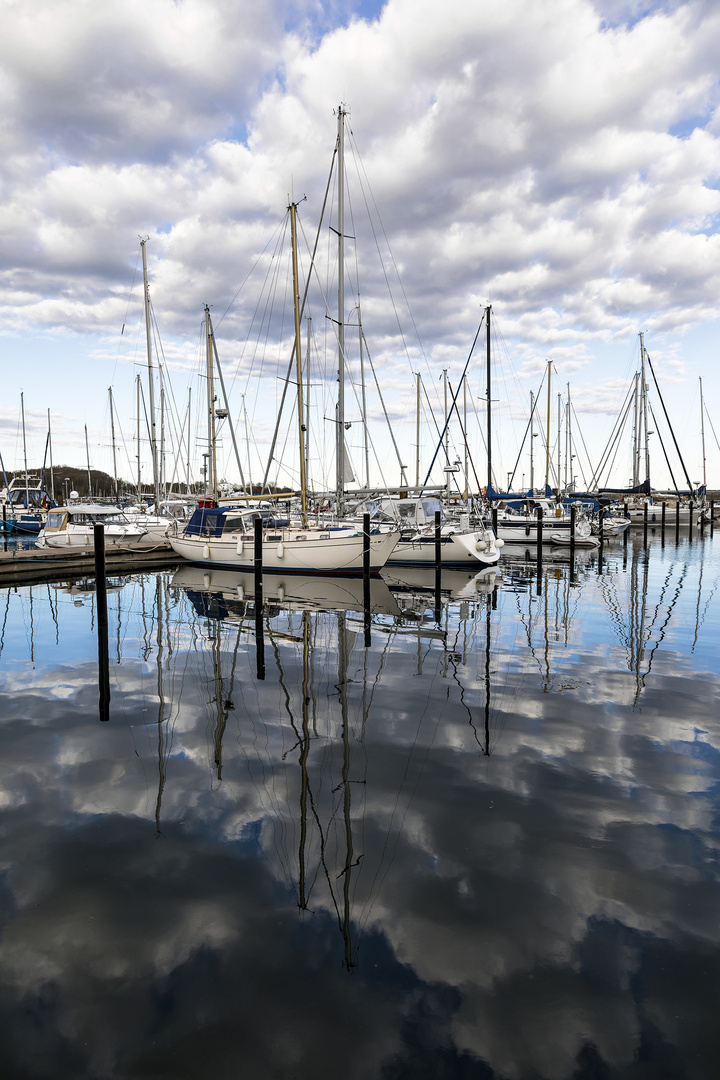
101	613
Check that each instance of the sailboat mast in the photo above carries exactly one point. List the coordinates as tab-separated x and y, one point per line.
112	436
187	467
364	403
211	403
298	364
52	473
644	390
161	459
447	425
27	482
139	478
488	309
465	445
559	431
532	441
307	396
151	388
636	438
340	452
702	433
547	429
87	458
417	433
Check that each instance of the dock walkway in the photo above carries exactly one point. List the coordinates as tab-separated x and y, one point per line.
25	566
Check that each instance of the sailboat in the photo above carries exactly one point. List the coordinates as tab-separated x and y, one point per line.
224	535
25	500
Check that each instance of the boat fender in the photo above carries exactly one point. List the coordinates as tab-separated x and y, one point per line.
206	552
280	550
281	593
67	538
480	546
239	546
206	580
241	592
499	542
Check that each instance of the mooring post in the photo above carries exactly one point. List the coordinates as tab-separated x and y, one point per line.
366	578
645	523
539	549
712	516
494	519
5	544
690	530
662	520
102	621
573	512
258	569
677	521
438	565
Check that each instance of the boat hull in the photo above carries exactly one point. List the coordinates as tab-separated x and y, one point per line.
289	552
456	550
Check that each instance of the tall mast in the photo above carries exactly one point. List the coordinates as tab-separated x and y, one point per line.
307	396
52	473
644	405
161	459
364	404
559	429
340	451
298	365
465	445
447	425
27	482
187	469
211	402
547	429
417	433
139	477
636	434
112	436
488	309
569	439
702	433
87	457
151	388
247	446
532	441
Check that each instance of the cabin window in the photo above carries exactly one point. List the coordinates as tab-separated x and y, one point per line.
431	506
55	521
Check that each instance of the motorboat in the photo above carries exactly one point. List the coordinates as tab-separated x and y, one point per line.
460	545
74	526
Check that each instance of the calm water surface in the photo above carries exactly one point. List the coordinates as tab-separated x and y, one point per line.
480	846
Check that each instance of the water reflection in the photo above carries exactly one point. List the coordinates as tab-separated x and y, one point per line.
481	845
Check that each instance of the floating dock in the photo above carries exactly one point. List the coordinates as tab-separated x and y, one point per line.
25	566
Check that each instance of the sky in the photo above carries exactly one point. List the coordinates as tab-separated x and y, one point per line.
559	161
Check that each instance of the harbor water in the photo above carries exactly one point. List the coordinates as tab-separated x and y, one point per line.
465	836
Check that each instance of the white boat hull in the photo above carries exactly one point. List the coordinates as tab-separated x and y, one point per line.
456	549
290	550
85	538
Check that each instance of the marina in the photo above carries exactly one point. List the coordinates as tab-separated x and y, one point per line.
359	564
396	828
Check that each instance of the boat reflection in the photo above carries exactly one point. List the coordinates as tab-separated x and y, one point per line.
230	594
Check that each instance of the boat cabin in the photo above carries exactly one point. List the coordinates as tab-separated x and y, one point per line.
218	521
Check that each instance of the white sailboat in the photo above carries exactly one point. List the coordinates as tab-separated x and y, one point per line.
224	535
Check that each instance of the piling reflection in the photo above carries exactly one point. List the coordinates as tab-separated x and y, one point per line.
397	855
